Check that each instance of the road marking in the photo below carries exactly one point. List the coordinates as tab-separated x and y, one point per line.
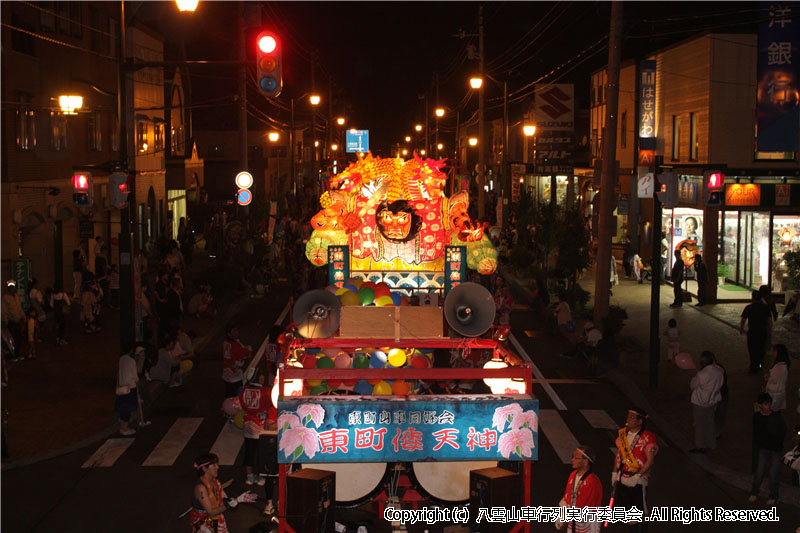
228	444
558	434
173	443
107	454
539	376
599	419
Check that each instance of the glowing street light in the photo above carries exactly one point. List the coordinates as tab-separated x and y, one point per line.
405	151
418	127
340	121
334	147
422	152
440	146
473	141
273	136
314	99
186	5
439	112
70	104
476	83
316	144
529	130
408	138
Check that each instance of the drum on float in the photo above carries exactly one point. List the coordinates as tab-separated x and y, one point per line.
446	481
356	483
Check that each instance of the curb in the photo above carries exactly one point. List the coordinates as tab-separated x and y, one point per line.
627	387
235	307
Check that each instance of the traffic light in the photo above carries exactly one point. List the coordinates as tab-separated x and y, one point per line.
118	190
668	191
83	189
269	64
713	181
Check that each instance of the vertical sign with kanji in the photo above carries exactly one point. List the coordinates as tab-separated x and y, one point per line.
647	104
338	264
21	272
455	267
777	77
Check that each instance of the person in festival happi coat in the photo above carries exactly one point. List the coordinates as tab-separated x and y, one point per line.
583	490
636	453
209	500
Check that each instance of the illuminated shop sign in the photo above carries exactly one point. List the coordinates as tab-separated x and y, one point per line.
455	266
743	194
647	103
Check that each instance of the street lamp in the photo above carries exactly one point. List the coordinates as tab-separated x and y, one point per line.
529	130
476	82
340	121
422	152
186	5
273	136
418	127
439	112
440	146
70	104
405	151
334	147
473	141
314	99
408	138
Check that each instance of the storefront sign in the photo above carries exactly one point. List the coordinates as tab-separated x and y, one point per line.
743	194
448	428
21	272
647	158
517	174
338	264
646	185
778	78
687	192
554	106
455	266
623	206
647	100
783	194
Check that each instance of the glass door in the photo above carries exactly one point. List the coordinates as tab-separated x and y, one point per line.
761	259
745	247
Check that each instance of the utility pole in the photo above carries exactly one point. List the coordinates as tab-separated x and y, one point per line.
609	172
655	283
243	164
314	174
505	201
436	138
127	326
457	160
481	126
291	150
427	129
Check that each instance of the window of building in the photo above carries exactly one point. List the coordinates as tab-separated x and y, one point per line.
47	18
177	140
62	17
58	131
20	41
25	123
94	130
158	138
676	137
141	136
694	140
76	19
623	129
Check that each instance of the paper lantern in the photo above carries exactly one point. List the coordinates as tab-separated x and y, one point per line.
403	301
366	295
342	360
186	365
291	387
382	389
331	352
355	282
350	298
363	388
382	301
309	360
322	388
378	359
382	289
368	285
361	361
342	290
502	385
396	357
349	383
684	361
397	298
325	362
400	387
420	361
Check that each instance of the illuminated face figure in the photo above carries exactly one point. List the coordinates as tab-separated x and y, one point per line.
458	215
329	219
396	226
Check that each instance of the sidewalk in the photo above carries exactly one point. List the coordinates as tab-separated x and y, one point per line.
712	327
64	399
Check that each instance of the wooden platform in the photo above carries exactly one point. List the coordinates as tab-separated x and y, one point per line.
391	322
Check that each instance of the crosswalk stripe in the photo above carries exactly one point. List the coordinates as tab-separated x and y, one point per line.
108	453
558	434
228	444
168	449
599	419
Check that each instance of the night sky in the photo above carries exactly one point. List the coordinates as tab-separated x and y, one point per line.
380	57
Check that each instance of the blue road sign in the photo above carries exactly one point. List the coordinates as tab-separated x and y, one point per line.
244	197
357	141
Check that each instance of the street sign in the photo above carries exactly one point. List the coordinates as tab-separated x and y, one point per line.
244	197
244	180
357	141
646	185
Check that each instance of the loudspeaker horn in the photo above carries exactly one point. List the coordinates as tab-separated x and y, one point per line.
469	309
317	314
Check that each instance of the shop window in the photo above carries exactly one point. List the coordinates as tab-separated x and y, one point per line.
158	138
58	131
676	138
623	129
785	238
25	123
141	136
95	132
694	140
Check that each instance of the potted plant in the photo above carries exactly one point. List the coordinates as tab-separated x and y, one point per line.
722	273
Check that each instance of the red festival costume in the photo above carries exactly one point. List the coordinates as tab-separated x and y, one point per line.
201	522
589	493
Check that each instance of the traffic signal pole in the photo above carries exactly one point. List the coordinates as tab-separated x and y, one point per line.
655	287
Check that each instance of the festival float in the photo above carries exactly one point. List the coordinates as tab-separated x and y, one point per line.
377	376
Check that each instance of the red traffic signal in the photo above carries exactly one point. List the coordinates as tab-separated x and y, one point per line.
81	182
269	64
714	179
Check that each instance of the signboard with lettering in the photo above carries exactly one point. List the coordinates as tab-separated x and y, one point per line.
21	272
347	429
357	141
646	185
783	194
742	194
338	264
517	174
778	77
455	267
647	103
554	107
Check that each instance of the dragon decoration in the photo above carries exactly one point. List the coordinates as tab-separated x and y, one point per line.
394	215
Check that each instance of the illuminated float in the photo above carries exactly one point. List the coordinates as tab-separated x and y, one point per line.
359	363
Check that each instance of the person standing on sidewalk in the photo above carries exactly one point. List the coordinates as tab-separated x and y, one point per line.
60	303
234	354
701	273
758	321
768	432
127	401
673	336
259	415
636	454
13	316
769	301
776	379
705	385
584	489
78	266
677	279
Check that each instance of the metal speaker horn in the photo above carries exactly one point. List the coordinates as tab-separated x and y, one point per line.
316	314
469	309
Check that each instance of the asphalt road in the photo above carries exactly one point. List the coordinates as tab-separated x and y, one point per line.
60	495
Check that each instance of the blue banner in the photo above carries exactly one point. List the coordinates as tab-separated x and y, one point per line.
438	428
778	87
